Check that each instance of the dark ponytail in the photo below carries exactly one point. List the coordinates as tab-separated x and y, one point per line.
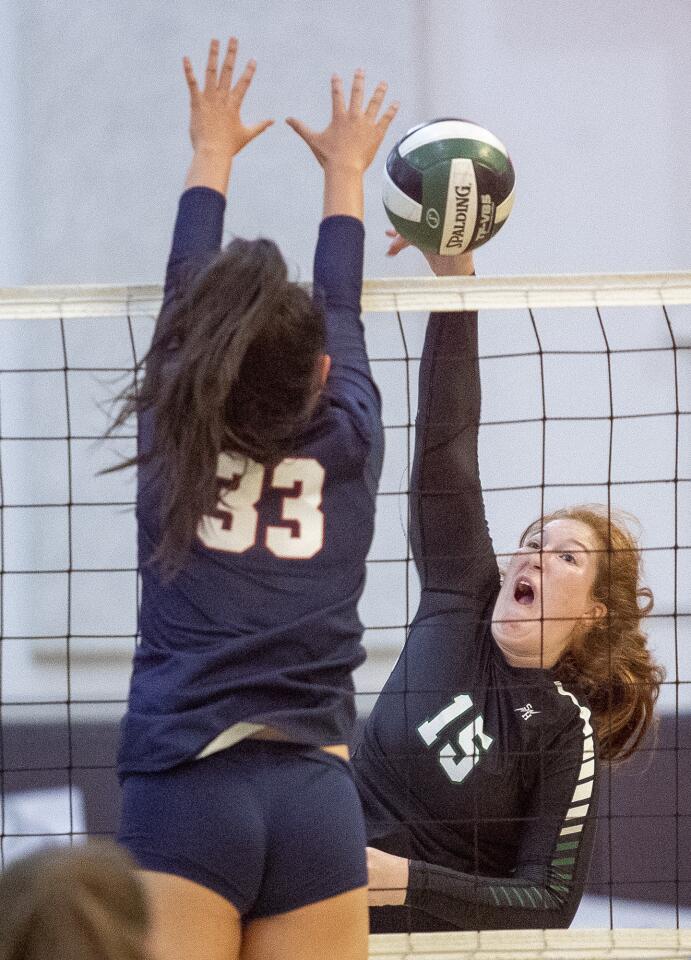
234	369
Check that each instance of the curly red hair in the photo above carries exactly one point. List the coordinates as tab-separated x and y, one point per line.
610	660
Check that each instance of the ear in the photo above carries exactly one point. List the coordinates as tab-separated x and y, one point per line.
597	611
323	367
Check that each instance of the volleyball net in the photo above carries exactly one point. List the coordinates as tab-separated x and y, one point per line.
586	398
632	944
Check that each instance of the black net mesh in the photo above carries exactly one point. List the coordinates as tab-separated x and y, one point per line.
584	400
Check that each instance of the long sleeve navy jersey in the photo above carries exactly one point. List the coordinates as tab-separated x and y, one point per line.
261	627
482	774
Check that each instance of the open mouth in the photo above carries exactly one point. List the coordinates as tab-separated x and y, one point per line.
523	592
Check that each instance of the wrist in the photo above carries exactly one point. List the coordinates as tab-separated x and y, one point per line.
210	167
459	265
341	167
343	193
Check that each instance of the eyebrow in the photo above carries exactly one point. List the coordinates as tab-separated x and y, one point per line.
578	543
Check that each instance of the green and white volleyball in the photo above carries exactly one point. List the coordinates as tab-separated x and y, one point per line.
448	186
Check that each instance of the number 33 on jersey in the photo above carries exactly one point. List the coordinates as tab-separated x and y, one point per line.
235	524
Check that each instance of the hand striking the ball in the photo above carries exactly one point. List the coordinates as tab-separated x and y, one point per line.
459	265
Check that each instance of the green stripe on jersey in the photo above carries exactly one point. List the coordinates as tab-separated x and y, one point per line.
571	845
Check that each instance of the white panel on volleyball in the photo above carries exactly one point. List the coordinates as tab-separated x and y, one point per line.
399	202
449	130
460	216
504	208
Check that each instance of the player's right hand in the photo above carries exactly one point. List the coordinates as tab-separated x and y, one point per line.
354	135
215	124
459	265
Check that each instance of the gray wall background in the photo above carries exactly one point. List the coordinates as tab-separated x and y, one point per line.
591	97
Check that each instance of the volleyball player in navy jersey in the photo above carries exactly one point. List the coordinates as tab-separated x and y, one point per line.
479	763
260	448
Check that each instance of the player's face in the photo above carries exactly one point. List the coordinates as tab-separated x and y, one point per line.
545	600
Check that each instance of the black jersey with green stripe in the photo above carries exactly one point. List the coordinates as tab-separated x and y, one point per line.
482	774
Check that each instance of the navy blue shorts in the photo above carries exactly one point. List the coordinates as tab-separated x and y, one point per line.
270	826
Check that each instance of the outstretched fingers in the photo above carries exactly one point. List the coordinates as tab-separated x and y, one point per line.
190	77
258	128
311	138
243	84
301	129
337	101
211	67
376	101
397	244
387	117
357	91
226	77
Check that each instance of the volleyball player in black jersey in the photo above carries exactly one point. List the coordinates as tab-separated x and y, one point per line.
259	452
479	763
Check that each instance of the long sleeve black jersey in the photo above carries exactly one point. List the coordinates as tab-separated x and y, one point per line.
482	774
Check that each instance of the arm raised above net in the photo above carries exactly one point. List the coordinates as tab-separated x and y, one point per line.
449	536
217	134
344	150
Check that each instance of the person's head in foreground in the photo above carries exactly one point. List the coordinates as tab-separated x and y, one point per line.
73	903
571	600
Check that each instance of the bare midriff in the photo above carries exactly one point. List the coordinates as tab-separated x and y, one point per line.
272	733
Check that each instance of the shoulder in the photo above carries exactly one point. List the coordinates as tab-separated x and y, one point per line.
570	717
354	411
571	702
339	433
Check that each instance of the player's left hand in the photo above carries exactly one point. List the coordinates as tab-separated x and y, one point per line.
387	878
354	134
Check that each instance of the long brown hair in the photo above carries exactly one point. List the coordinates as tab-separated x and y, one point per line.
610	661
233	369
73	903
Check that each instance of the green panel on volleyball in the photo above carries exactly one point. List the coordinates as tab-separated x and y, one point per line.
422	158
420	234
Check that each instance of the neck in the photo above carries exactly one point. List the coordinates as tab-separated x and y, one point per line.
527	661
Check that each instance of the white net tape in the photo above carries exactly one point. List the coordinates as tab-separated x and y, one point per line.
401	293
534	944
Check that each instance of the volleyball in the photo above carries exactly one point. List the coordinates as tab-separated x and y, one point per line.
448	185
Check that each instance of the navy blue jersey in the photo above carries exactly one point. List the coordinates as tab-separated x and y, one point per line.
261	625
482	774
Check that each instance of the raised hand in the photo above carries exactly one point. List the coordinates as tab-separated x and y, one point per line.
353	136
216	128
397	244
458	265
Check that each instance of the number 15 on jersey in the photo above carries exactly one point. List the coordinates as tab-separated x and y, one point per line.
234	526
